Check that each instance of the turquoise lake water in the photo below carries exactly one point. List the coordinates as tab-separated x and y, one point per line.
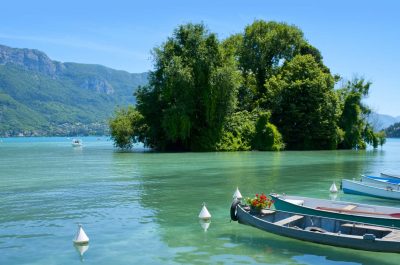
142	207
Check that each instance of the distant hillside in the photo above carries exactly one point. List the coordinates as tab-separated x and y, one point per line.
393	131
382	121
39	96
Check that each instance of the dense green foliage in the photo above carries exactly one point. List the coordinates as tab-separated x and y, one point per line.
393	131
304	105
127	128
265	89
191	91
76	100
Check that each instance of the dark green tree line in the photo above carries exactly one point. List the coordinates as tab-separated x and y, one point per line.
264	89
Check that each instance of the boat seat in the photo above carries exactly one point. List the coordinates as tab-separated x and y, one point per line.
296	202
265	211
349	207
395	235
368	227
289	220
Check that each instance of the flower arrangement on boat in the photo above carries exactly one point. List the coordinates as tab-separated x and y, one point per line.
259	202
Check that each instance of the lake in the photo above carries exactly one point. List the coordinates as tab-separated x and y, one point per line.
142	207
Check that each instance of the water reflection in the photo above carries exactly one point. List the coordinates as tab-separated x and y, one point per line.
81	249
205	224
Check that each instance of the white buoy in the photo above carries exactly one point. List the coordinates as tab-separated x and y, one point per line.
237	195
205	224
81	238
204	213
333	188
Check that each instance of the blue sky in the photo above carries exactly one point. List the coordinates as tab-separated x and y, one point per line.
355	37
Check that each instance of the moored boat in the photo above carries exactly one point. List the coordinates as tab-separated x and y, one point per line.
383	182
390	175
321	230
360	188
350	211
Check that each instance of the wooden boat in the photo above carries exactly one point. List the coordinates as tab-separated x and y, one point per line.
321	230
389	175
350	211
360	188
383	182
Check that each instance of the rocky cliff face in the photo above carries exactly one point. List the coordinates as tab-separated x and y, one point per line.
32	60
39	62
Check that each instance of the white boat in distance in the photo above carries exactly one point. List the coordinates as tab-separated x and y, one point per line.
76	142
361	188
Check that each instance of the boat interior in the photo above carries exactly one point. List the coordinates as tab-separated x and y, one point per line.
338	206
327	225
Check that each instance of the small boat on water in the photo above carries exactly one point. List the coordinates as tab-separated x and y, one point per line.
76	142
361	188
350	211
321	230
383	182
390	175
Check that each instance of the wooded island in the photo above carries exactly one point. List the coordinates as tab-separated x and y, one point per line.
264	89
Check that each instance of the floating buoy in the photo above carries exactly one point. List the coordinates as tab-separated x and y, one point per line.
333	188
205	224
81	238
237	194
333	196
204	213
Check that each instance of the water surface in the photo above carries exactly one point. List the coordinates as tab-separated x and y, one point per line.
142	207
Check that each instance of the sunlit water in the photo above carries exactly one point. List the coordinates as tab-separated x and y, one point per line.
142	207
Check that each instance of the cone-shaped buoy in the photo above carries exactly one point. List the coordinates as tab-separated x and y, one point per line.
81	238
204	213
205	224
237	194
333	188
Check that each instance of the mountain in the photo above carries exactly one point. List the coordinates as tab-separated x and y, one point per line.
39	96
382	121
393	131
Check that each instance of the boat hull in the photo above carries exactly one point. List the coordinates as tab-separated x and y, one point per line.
283	205
359	188
334	239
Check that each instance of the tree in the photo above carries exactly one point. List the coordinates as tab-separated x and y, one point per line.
267	136
127	127
266	46
304	105
244	131
353	122
191	91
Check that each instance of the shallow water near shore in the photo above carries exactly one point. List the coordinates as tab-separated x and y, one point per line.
142	207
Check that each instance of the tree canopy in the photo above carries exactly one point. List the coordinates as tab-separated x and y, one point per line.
264	89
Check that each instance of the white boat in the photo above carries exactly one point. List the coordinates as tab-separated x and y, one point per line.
76	142
389	175
382	182
361	188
